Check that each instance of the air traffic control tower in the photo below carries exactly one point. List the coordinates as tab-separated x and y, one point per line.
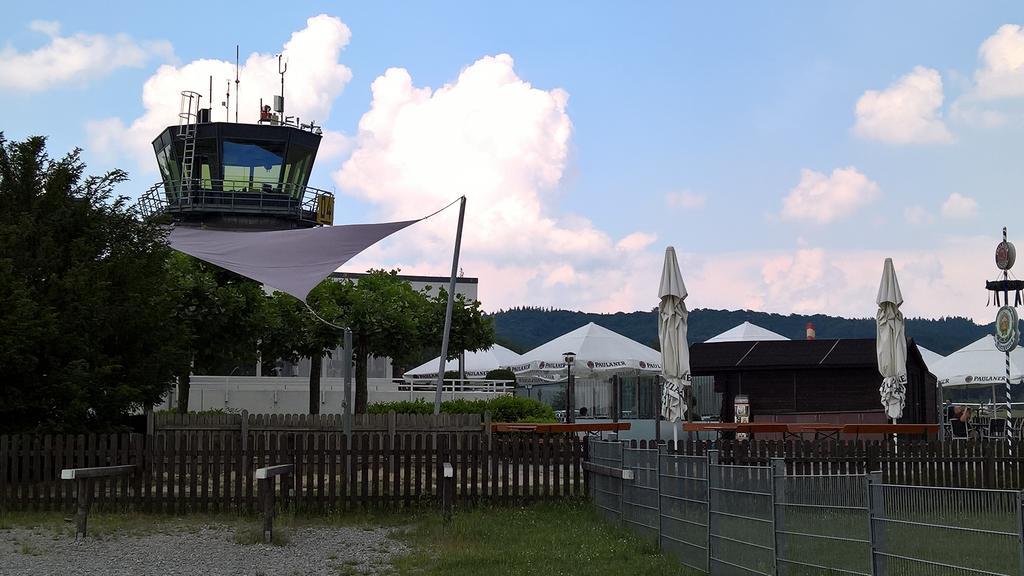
237	176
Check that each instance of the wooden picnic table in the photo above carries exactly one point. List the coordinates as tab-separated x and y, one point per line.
819	429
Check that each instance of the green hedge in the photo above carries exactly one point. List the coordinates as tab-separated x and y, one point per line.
502	408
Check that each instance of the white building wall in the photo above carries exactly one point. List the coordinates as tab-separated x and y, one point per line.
290	395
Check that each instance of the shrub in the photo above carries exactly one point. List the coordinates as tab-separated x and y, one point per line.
501	374
502	409
419	406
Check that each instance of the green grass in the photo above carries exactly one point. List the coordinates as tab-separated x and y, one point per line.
543	540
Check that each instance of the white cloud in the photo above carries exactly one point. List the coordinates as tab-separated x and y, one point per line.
959	207
994	99
636	241
822	199
685	200
935	282
907	112
504	144
918	215
79	58
1002	64
314	80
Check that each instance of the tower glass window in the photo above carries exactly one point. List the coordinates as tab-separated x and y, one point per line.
253	165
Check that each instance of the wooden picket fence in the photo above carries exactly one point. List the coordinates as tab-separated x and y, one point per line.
955	464
212	471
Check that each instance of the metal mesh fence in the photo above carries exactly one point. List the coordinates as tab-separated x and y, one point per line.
728	519
606	491
822	525
741	520
684	508
922	530
640	496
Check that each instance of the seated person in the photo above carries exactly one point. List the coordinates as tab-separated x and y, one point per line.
960	413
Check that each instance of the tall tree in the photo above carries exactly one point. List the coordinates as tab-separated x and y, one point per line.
470	330
292	332
220	317
87	329
384	314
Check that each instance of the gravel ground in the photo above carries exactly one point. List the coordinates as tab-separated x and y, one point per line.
205	550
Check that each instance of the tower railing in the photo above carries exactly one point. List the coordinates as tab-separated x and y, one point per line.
235	196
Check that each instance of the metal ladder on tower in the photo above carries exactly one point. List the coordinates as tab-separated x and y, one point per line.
188	120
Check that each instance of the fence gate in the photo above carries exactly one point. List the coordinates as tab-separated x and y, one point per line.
640	495
924	530
607	490
684	508
822	524
741	519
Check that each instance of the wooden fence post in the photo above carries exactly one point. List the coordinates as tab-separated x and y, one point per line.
447	491
990	464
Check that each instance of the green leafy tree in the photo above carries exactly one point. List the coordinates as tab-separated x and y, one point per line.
471	330
220	316
87	326
385	314
292	332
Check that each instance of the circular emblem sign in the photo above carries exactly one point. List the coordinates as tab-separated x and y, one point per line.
1005	255
1007	329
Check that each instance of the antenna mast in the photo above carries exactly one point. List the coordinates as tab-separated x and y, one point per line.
238	97
227	103
281	71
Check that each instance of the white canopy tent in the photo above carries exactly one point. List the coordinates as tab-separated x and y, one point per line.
477	364
600	355
598	351
979	365
747	332
931	359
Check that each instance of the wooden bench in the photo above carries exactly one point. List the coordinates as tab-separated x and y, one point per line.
83	478
265	478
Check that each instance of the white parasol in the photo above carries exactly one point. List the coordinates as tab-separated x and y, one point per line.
891	343
675	354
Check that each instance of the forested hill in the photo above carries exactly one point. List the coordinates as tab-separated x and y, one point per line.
525	328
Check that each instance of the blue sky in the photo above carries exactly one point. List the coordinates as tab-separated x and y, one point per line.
718	131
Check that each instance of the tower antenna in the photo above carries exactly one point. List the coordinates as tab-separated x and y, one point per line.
227	103
281	70
238	97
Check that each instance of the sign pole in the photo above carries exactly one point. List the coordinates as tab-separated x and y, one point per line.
1007	323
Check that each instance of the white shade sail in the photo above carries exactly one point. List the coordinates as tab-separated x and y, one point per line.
747	332
598	350
675	353
891	343
477	364
292	261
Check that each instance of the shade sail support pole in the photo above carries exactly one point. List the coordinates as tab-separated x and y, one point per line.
448	311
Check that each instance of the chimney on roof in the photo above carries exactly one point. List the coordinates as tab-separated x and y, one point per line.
810	330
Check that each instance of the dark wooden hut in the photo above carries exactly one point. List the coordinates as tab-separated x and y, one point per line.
835	381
